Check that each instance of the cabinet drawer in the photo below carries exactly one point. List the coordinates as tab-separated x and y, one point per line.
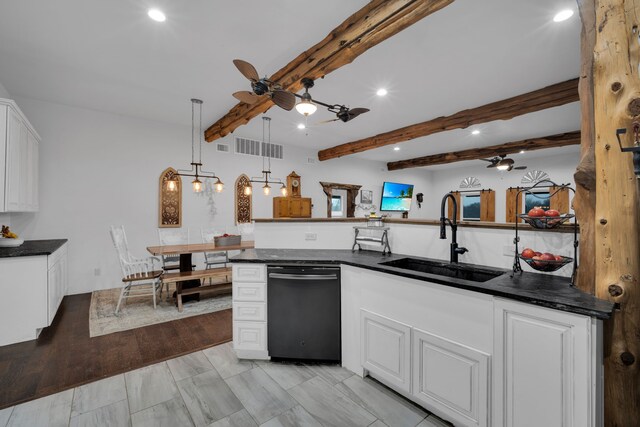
250	336
253	311
249	272
249	291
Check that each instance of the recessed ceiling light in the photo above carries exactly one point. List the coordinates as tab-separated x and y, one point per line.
381	92
301	126
521	151
563	15
475	132
157	15
396	148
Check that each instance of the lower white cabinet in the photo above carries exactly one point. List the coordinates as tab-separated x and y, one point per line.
451	377
249	296
33	290
547	367
386	349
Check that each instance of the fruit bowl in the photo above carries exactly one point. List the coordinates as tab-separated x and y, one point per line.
545	222
10	243
546	265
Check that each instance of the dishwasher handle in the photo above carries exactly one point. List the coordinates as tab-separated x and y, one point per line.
303	276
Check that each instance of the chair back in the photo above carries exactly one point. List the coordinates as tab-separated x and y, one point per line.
173	236
211	258
119	238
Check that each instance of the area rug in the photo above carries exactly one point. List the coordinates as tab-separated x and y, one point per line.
136	312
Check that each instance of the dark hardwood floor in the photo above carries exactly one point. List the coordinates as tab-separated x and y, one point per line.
64	356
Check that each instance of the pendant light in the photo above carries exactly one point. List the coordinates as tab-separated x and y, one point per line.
196	164
266	178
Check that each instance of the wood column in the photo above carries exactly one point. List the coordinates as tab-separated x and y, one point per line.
616	93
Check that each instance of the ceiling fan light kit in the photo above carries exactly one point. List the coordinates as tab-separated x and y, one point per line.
196	164
503	163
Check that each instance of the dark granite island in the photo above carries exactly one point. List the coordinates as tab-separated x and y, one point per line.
489	353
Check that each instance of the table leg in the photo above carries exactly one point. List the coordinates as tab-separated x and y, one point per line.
186	264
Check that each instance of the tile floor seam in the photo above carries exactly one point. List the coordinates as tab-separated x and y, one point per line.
180	391
73	395
10	415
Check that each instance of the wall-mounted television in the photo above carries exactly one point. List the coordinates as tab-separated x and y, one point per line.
396	197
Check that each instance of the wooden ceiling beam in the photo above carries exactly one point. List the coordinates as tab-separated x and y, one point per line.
552	141
541	99
374	23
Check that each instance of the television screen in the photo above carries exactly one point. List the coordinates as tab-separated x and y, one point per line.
396	197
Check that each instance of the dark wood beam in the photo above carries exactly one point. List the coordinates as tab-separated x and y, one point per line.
552	141
374	23
541	99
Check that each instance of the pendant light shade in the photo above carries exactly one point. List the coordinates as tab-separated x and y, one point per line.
172	185
248	190
219	186
266	189
283	190
197	185
306	107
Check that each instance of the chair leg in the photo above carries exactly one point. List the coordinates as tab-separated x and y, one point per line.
120	299
154	295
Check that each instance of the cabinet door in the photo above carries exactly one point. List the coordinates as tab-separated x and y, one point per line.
451	379
295	208
386	349
32	173
280	207
13	161
23	195
54	291
3	153
305	208
544	365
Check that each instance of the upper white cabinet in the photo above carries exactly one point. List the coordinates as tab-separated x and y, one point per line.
19	143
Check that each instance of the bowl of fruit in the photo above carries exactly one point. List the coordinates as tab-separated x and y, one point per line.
544	261
227	240
9	239
539	218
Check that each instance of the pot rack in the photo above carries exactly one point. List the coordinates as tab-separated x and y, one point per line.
545	183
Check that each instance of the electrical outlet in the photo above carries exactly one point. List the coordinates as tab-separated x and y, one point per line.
507	250
310	236
96	272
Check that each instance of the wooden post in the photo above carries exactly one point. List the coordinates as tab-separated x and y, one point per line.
616	93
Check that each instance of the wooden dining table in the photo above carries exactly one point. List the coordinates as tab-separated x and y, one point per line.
186	254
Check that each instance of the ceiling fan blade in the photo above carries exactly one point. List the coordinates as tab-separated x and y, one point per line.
283	99
355	112
492	165
246	69
488	160
520	167
246	97
325	122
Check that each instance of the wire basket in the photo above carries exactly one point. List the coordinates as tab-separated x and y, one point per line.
545	222
546	265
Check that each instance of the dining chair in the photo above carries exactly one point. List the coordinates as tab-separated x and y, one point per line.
137	273
213	259
174	236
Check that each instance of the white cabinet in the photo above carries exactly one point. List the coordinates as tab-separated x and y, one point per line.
250	311
386	349
546	367
451	377
33	289
19	143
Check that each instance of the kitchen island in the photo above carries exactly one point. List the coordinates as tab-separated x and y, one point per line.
503	351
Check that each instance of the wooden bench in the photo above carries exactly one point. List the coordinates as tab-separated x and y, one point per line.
223	274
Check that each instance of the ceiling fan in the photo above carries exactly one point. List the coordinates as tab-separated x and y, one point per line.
342	112
503	163
282	98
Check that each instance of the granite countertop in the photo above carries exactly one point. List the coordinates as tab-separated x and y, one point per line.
33	248
538	289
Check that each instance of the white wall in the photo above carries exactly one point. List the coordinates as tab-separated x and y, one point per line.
99	169
3	92
559	167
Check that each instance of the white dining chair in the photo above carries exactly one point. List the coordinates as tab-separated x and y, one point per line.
213	259
172	236
138	274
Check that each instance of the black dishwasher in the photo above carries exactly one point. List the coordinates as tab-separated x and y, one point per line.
303	305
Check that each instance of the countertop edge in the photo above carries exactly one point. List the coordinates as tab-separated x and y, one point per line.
44	247
498	291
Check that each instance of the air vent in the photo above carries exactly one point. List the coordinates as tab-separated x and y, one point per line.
250	147
222	147
272	150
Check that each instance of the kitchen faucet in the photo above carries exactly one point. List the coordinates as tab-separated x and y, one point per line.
455	250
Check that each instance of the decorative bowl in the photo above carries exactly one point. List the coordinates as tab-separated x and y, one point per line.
545	222
227	240
10	243
546	265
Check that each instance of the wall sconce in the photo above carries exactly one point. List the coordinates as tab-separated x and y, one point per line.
636	146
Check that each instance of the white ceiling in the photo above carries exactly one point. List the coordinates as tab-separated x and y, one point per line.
110	56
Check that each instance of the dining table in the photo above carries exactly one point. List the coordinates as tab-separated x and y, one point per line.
186	251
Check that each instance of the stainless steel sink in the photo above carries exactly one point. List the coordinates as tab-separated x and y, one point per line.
464	272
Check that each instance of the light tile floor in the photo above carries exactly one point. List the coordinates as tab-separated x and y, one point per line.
214	388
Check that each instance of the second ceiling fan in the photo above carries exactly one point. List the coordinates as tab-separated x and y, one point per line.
503	163
287	100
